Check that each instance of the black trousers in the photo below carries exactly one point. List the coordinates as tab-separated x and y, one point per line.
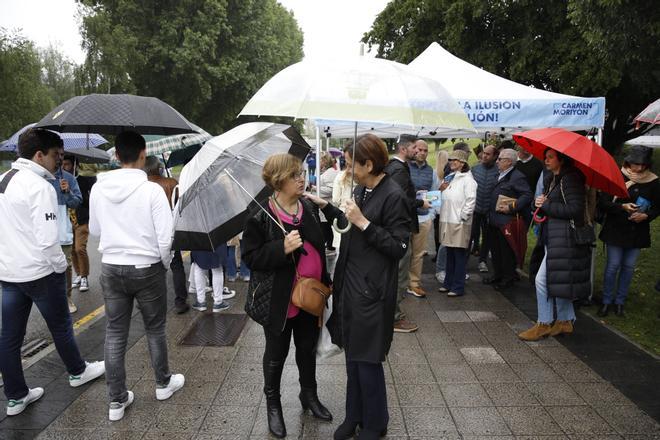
305	330
366	395
179	279
480	230
504	260
326	228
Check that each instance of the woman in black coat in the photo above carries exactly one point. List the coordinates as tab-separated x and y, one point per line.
365	284
564	274
626	226
271	257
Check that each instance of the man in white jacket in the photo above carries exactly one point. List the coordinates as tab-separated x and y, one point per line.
32	267
133	219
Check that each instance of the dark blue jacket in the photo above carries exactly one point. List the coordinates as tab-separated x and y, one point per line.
210	260
422	179
486	179
515	185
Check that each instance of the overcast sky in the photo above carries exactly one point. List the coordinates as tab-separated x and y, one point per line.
332	28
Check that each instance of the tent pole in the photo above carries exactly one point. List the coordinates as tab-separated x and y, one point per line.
592	273
318	162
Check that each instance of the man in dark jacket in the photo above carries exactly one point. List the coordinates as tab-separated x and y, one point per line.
399	172
532	168
511	183
485	174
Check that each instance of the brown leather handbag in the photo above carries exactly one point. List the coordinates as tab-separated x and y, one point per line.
309	294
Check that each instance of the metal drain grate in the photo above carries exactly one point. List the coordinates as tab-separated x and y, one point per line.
33	347
215	330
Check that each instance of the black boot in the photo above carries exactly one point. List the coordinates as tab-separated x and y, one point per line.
619	310
310	400
346	430
272	379
603	311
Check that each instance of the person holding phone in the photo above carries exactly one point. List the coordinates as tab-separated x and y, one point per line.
626	226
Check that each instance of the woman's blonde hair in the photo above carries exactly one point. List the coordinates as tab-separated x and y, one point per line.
280	167
441	160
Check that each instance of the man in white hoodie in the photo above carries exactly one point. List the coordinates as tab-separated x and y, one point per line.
133	219
32	267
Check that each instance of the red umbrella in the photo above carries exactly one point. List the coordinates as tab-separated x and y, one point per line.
599	168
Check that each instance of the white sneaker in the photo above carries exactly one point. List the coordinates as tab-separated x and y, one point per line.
93	370
176	383
15	407
117	408
440	276
76	281
483	267
72	307
227	293
208	289
192	290
84	286
467	276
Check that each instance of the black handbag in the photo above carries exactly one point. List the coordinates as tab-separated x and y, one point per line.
584	235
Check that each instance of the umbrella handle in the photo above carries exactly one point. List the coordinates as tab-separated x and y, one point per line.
538	219
339	230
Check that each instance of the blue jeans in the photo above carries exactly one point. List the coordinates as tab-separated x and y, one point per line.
620	260
49	294
441	259
121	286
455	276
231	264
545	304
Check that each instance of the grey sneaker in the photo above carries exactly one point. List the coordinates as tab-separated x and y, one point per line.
72	307
84	285
176	383
199	306
440	276
483	267
220	307
17	406
117	408
228	293
76	281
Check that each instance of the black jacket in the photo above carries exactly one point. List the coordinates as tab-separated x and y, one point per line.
365	280
617	229
568	266
263	251
513	185
82	211
400	173
532	169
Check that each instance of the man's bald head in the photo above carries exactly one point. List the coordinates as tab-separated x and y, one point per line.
489	155
422	151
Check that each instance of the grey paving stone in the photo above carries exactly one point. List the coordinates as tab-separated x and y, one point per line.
575	372
81	414
485	421
453	373
480	315
137	418
159	435
465	395
251	354
608	437
240	372
196	392
403	356
555	394
529	420
419	395
520	354
412	374
600	394
555	354
429	422
63	434
229	420
510	394
179	418
452	316
293	419
212	371
446	355
321	430
239	394
536	373
481	355
628	420
494	373
470	340
580	420
462	328
216	354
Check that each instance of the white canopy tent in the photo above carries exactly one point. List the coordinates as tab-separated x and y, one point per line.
492	103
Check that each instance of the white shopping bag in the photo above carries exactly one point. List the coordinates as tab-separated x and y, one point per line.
325	348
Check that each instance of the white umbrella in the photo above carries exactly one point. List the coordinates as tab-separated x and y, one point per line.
649	139
360	90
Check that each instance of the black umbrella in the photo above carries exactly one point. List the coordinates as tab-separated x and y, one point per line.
112	114
223	183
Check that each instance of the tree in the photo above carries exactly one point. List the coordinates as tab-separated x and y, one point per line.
204	57
58	74
23	97
551	45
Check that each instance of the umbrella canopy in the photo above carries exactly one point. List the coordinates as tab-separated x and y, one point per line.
217	184
359	90
649	139
112	114
179	148
599	168
651	114
90	155
71	141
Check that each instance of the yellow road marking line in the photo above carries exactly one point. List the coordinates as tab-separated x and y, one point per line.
85	319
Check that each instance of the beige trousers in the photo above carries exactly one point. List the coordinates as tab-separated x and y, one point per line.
418	245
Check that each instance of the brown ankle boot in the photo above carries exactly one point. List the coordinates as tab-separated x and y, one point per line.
561	328
535	333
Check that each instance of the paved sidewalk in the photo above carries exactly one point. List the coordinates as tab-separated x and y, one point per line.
463	375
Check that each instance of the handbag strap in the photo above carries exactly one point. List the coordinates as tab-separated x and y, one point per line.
273	206
561	188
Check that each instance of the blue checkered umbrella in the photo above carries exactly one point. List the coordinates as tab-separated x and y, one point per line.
71	141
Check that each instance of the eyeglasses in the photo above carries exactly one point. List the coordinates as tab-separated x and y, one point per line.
452	160
499	159
299	175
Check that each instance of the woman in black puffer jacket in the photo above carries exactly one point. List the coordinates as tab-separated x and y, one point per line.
564	274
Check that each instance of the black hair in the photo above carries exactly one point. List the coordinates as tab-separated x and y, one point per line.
128	146
565	160
37	139
405	140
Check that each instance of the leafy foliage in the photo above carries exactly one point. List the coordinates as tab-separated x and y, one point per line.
579	47
204	57
23	97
